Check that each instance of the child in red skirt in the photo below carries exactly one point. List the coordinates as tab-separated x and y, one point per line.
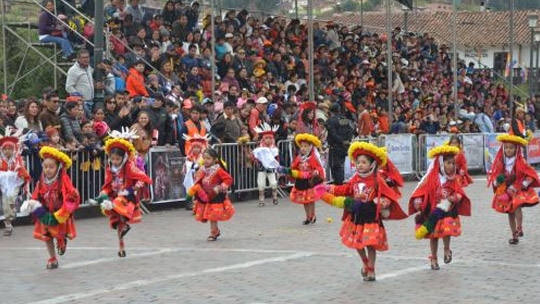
210	193
123	181
440	201
367	201
308	173
513	181
461	162
53	202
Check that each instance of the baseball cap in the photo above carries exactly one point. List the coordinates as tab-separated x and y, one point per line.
262	100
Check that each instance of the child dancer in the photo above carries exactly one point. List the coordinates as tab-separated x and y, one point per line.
13	175
53	202
308	172
210	193
367	201
461	162
119	198
197	146
266	156
440	201
513	181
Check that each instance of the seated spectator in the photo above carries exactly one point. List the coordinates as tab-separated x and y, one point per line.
135	81
50	31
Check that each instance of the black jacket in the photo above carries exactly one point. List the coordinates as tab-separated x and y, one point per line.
340	133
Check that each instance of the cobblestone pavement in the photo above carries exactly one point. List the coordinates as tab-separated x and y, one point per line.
265	255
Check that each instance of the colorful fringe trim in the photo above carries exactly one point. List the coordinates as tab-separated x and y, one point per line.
428	226
341	202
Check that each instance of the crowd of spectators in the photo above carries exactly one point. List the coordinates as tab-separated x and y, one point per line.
163	88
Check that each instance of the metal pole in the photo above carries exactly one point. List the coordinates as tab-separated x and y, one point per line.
213	43
98	33
296	8
531	65
537	70
511	87
362	14
310	55
4	49
406	20
390	66
454	56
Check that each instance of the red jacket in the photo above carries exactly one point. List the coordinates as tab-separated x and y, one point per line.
135	84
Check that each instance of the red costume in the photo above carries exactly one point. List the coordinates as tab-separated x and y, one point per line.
512	179
363	221
310	173
462	170
120	186
435	188
390	174
210	194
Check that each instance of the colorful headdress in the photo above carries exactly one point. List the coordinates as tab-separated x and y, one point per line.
443	150
507	138
61	157
196	138
307	138
265	129
364	148
121	140
11	137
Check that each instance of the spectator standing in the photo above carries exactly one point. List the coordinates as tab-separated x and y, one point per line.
232	124
340	134
365	125
71	127
49	115
29	120
144	129
193	126
161	121
80	79
135	10
257	116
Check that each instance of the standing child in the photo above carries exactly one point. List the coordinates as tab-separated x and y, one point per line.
367	201
266	156
13	175
461	162
308	172
210	193
119	199
440	201
513	181
53	202
197	146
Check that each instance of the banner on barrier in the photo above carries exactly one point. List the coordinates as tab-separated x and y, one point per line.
473	148
533	150
491	148
166	164
400	151
433	141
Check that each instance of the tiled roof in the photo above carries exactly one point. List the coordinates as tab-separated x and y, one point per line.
473	28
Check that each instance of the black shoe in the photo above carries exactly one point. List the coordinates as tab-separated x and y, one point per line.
306	222
189	206
122	254
314	220
448	257
513	241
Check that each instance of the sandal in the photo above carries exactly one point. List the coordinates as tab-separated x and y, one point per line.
448	257
364	270
61	246
213	237
306	222
8	231
313	219
370	277
519	231
434	263
52	263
